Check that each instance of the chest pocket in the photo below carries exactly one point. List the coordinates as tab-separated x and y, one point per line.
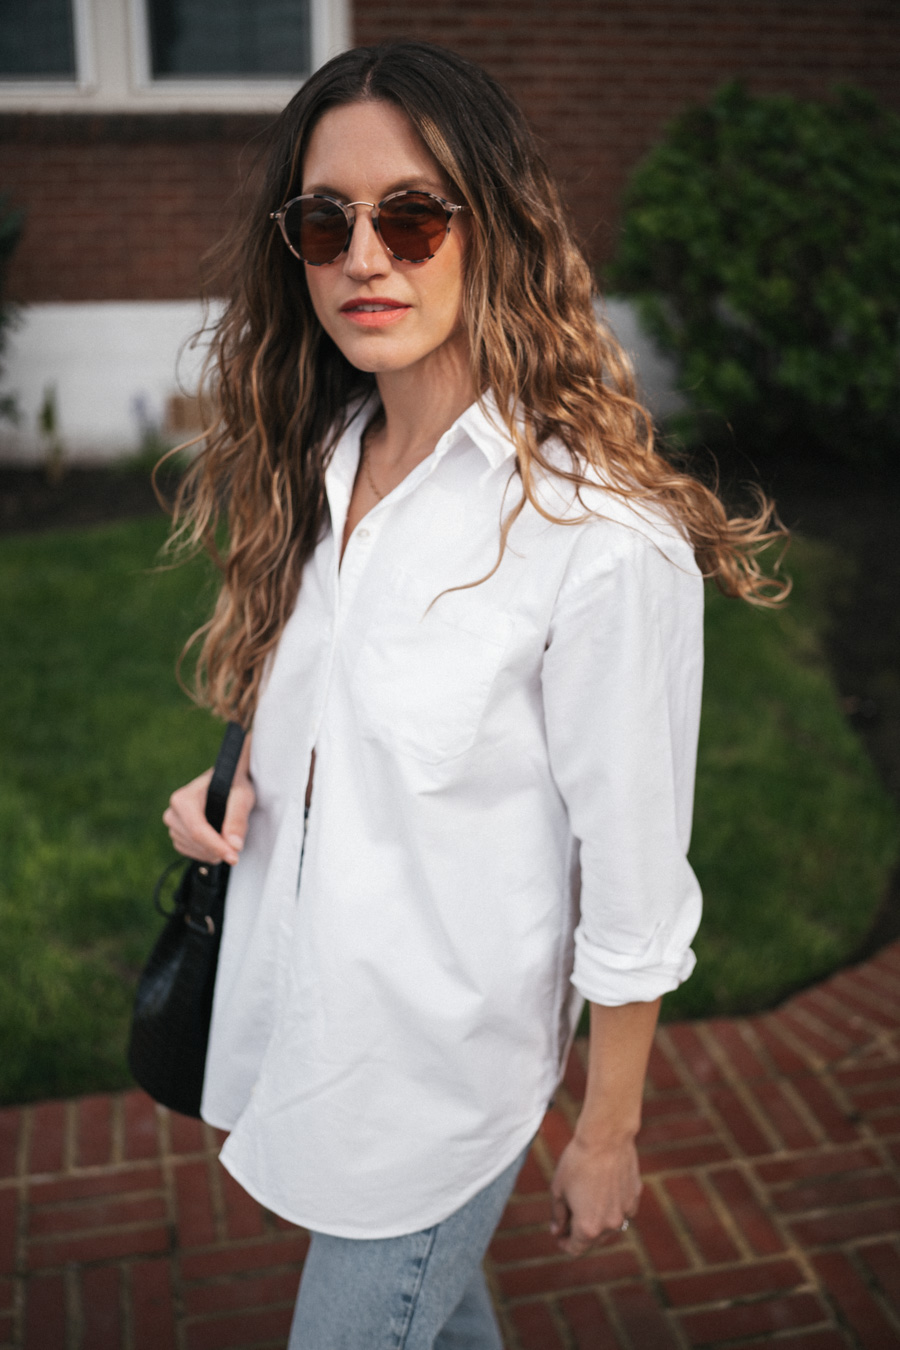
423	676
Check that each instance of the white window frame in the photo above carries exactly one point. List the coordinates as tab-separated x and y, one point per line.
112	61
60	86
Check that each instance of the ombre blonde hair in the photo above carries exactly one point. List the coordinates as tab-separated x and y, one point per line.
282	392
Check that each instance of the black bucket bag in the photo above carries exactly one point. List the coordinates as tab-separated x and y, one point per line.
173	1004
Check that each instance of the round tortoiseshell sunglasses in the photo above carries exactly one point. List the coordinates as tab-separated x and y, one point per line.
412	225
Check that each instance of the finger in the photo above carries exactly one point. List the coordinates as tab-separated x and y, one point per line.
241	801
560	1216
189	845
196	838
574	1246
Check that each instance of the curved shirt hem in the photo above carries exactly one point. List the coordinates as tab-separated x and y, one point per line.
431	1220
209	1118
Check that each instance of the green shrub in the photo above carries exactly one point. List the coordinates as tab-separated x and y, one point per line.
761	240
10	230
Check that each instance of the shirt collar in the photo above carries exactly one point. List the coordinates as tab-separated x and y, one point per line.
484	427
480	423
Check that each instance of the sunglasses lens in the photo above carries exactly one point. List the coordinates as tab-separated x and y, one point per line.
413	226
316	228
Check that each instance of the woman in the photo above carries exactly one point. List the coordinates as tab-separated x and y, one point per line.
462	608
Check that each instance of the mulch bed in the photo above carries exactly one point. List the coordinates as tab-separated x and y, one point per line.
89	496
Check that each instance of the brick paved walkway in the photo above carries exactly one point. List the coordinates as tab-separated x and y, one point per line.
771	1209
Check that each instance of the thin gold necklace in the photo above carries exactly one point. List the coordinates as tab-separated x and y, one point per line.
367	469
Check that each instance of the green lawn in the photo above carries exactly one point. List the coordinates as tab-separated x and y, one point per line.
793	840
794	836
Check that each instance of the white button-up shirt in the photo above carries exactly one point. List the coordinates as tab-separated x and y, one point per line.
499	824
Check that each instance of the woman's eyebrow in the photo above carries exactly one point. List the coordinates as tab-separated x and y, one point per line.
418	182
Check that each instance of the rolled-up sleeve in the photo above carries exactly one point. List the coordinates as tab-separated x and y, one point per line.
622	682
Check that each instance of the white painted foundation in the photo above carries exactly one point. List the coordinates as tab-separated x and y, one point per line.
654	370
113	366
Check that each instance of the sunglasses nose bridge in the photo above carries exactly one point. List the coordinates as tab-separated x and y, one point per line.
349	209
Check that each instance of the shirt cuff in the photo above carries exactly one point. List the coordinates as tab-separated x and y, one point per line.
611	979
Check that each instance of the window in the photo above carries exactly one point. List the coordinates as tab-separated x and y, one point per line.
37	40
257	38
156	55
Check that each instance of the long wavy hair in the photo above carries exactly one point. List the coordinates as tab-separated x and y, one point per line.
281	392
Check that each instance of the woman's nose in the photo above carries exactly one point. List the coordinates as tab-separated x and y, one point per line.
366	254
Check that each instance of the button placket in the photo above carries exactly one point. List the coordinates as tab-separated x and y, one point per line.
347	572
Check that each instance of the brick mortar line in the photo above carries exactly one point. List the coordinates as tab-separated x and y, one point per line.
855	977
814	1061
25	1132
86	1201
841	1320
871	973
173	1257
703	1102
74	1317
26	1129
868	998
722	1210
870	1170
856	1205
559	1324
759	1191
695	1090
717	1052
673	1322
249	1243
828	1033
82	1174
869	1278
847	1013
544	1159
808	1284
678	1062
864	1059
845	1104
804	1110
106	1230
126	1305
70	1136
216	1316
667	1205
738	1086
214	1171
117	1129
756	1043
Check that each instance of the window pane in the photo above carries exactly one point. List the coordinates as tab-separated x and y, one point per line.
229	37
37	41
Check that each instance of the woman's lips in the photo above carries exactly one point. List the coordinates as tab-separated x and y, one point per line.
374	313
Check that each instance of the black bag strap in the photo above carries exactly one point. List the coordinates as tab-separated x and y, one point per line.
223	774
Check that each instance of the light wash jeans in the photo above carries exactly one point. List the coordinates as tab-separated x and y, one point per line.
423	1291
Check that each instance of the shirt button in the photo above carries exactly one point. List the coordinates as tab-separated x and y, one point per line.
362	533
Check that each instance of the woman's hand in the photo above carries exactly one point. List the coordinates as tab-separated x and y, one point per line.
191	832
597	1183
594	1190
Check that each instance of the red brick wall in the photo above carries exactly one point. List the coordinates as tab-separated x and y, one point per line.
119	207
124	207
600	78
